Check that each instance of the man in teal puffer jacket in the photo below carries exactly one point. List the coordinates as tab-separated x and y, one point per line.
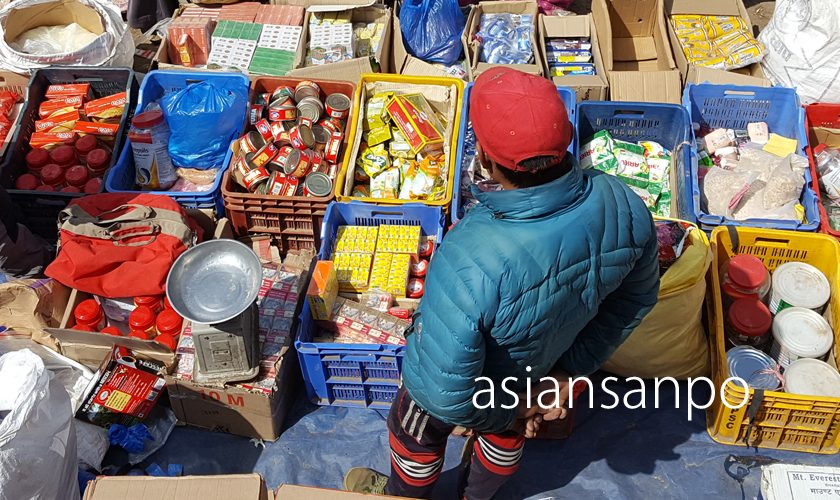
546	277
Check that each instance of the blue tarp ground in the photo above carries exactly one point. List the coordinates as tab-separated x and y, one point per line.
617	454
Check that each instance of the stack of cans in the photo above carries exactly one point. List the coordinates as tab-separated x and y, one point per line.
294	146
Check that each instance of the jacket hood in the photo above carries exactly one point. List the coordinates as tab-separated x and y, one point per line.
556	196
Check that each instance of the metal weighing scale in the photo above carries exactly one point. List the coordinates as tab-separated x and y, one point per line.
215	285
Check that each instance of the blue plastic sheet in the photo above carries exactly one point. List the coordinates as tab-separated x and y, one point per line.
617	454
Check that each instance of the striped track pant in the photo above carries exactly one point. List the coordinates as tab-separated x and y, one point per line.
418	442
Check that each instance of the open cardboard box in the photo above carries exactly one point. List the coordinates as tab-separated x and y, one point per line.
636	51
223	487
587	87
401	61
472	48
692	73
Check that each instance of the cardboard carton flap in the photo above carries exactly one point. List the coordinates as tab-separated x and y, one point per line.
645	86
632	18
68	336
634	49
295	492
706	8
336	6
699	74
566	26
349	71
223	487
57	13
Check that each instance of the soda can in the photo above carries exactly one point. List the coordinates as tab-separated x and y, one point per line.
332	147
317	185
251	142
255	113
282	92
275	184
337	106
307	88
254	178
290	186
301	137
310	108
264	128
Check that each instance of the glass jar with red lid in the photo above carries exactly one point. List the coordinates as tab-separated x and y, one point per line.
88	313
748	322
85	145
169	323
141	321
97	161
63	156
744	277
76	176
155	302
52	175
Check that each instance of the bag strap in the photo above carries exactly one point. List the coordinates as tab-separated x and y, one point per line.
134	221
733	237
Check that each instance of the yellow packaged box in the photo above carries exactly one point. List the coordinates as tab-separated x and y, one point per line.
720	42
398	277
323	290
381	271
398	239
352	271
356	239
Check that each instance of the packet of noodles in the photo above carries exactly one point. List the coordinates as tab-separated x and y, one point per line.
386	185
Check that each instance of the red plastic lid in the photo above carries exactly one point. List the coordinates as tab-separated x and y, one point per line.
37	158
750	317
746	271
86	144
70	189
416	287
93	186
88	312
63	155
169	323
148	119
26	182
45	187
141	318
166	304
112	330
418	267
97	159
52	174
167	340
141	334
77	175
147	300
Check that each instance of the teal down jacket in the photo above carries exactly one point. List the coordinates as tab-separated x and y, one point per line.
556	274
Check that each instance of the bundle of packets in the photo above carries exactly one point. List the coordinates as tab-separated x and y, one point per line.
506	38
366	37
233	44
645	167
277	302
722	42
8	100
569	56
402	153
352	322
330	38
70	111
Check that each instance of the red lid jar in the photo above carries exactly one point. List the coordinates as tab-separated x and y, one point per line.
52	175
97	161
112	330
70	189
63	156
168	341
36	159
93	186
89	313
155	302
85	145
744	276
748	322
169	323
142	322
26	182
77	175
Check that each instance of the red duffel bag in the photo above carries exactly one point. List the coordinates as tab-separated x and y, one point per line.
121	244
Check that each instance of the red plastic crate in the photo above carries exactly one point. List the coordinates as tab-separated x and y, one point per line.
825	116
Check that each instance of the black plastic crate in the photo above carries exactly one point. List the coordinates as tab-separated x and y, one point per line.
40	209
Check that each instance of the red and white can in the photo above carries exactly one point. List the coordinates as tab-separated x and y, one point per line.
276	183
282	113
255	113
307	88
264	128
337	106
251	142
301	137
290	186
333	147
282	92
254	178
263	156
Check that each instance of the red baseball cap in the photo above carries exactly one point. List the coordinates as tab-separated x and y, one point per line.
517	116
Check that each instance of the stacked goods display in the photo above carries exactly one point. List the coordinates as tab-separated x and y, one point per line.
180	137
334	37
752	168
721	42
68	135
403	140
774	309
284	168
823	123
360	300
643	145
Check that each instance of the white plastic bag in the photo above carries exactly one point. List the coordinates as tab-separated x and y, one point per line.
802	44
49	40
37	437
114	47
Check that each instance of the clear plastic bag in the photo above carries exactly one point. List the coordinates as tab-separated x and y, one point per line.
506	38
431	30
783	187
51	40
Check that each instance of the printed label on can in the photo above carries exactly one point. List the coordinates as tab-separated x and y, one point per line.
338	106
255	113
264	128
290	186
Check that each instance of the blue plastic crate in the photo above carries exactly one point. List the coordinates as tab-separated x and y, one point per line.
667	124
569	98
121	177
356	213
731	106
354	375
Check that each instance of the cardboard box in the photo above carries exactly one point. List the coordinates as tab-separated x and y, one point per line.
223	487
295	492
636	51
57	13
352	69
472	48
691	73
587	87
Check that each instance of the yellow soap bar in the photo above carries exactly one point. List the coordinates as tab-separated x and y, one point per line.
780	146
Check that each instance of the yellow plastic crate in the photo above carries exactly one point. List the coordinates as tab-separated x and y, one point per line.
784	421
355	138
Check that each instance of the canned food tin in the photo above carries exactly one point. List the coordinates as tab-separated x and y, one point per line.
251	142
754	367
322	135
263	156
255	113
264	128
307	88
301	137
337	106
282	113
275	184
748	322
330	125
812	377
283	154
254	178
310	108
278	131
241	165
283	92
290	187
316	161
333	147
262	99
318	185
297	163
796	284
